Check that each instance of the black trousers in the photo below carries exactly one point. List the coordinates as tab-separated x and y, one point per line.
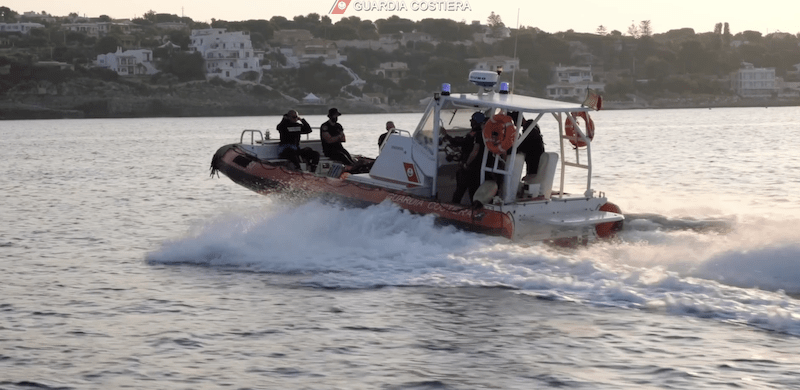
341	155
294	156
466	180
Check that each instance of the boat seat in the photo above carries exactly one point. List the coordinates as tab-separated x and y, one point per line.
541	183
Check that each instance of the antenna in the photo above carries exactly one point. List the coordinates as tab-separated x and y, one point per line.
514	72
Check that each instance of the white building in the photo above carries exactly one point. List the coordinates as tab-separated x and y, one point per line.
571	82
128	63
23	28
394	71
228	55
750	81
507	64
98	29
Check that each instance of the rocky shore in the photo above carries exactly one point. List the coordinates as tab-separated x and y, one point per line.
100	99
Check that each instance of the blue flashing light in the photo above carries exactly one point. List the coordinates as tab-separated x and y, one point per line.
504	88
445	89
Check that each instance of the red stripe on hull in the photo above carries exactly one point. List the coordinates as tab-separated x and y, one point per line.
265	178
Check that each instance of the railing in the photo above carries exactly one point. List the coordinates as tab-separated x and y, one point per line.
252	136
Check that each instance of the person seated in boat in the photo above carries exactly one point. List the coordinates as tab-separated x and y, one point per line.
532	146
332	136
468	176
290	129
389	130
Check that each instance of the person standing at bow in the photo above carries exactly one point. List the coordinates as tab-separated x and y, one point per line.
290	129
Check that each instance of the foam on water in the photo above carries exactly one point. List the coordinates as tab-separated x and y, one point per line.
732	269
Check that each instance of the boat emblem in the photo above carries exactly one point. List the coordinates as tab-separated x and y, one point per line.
411	172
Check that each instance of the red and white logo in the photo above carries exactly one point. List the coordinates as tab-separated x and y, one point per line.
339	6
411	172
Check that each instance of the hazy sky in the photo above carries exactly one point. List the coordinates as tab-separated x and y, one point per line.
766	16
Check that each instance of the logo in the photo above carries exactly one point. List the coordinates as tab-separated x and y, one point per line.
411	173
339	6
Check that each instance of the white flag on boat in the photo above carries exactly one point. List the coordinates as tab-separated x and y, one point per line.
593	100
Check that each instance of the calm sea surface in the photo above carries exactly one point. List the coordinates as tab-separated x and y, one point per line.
123	265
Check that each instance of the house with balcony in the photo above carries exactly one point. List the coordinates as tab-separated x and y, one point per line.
228	55
309	50
394	71
100	29
750	81
572	82
506	64
128	63
23	28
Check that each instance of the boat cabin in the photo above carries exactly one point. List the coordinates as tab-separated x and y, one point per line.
418	162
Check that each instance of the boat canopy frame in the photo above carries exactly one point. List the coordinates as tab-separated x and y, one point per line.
493	103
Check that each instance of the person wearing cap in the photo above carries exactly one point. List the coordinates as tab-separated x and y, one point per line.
290	129
468	177
332	135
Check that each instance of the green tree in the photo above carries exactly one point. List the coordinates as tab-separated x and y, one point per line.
7	15
645	28
494	20
186	66
395	25
106	44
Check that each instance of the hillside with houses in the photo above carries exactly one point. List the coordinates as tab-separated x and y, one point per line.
166	65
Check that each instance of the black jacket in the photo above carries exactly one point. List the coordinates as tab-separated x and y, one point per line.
291	131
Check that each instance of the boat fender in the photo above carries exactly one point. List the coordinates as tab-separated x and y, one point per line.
499	134
609	229
569	128
485	193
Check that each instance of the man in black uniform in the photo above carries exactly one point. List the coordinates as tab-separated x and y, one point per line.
532	146
332	135
289	147
468	176
382	137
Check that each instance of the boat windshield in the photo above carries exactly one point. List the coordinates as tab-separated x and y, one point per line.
455	121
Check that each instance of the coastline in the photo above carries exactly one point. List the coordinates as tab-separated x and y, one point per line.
232	103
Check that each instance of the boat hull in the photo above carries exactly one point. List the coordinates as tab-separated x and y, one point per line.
266	178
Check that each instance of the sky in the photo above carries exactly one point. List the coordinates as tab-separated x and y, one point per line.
765	16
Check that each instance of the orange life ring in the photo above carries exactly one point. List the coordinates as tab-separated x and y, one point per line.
499	134
569	128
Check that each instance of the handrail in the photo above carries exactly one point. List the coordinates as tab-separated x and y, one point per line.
252	136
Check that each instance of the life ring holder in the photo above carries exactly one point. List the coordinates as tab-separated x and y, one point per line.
499	134
569	128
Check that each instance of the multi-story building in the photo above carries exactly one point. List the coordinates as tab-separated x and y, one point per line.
23	28
750	81
572	82
99	29
228	55
506	64
394	71
128	63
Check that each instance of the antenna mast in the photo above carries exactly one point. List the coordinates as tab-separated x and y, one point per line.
514	72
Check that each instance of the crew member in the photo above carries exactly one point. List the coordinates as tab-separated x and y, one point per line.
382	137
290	129
468	177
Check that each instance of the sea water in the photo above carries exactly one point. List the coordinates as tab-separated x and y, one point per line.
124	265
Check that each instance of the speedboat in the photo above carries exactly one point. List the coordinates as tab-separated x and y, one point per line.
416	169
